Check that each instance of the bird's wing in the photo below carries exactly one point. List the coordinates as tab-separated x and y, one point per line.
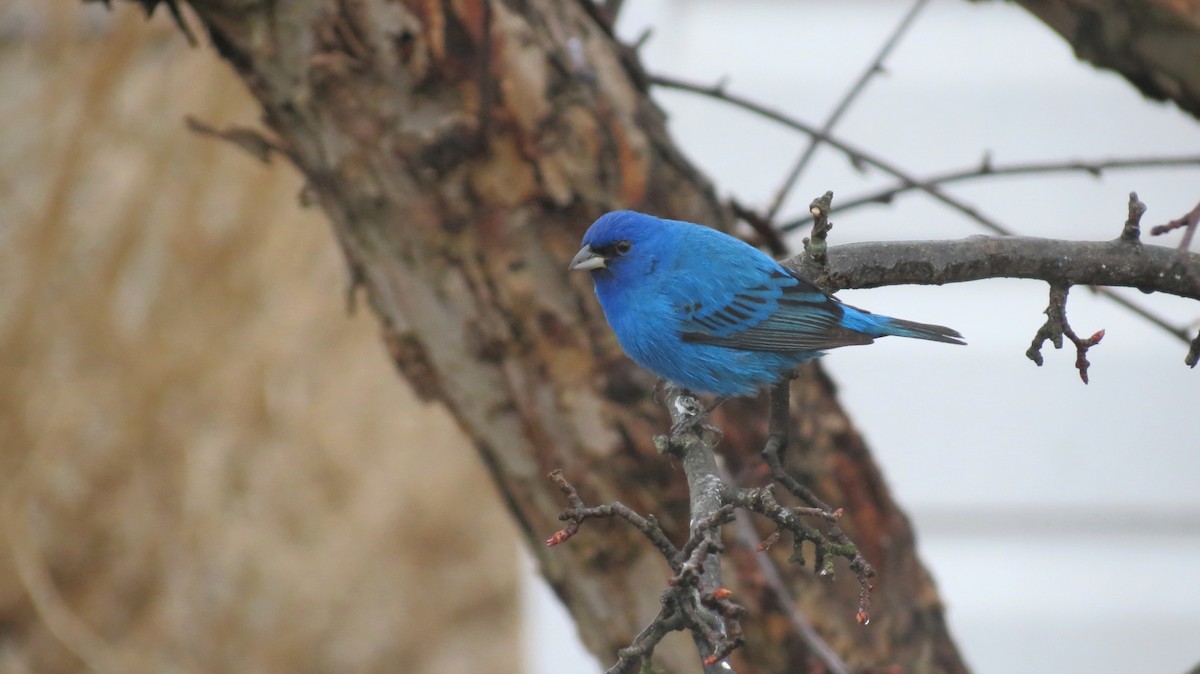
767	309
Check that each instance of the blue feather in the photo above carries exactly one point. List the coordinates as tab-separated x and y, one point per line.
714	314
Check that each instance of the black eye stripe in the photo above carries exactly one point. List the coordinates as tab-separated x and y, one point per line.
613	249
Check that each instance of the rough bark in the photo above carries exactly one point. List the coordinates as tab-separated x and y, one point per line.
460	149
1155	45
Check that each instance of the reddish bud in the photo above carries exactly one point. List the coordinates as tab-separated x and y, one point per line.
558	537
722	593
862	617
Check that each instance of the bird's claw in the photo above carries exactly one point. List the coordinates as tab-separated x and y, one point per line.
697	423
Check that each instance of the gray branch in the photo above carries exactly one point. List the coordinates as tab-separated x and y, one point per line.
1100	263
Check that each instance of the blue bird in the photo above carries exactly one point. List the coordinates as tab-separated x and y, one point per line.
714	314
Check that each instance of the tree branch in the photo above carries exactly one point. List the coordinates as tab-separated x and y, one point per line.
1103	263
694	446
873	69
985	169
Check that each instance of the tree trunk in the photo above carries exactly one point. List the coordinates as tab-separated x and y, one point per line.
460	149
1155	45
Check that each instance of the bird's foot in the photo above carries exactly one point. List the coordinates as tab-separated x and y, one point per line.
694	417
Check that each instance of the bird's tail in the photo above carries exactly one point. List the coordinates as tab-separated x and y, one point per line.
935	333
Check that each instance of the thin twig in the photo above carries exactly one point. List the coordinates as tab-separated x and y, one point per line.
768	234
641	649
577	513
875	68
835	542
695	600
746	537
1190	220
855	155
1154	319
986	170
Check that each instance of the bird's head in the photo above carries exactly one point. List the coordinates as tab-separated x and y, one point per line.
622	243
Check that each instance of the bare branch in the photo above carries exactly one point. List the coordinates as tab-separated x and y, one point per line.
873	69
668	620
1188	221
696	599
986	169
577	513
768	235
746	537
835	542
694	444
1174	330
854	154
1102	263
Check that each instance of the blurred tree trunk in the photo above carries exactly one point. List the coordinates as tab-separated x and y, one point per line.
204	466
1155	45
460	149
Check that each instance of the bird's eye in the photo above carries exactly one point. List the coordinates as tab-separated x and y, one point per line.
623	246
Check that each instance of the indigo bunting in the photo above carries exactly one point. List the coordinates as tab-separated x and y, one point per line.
714	314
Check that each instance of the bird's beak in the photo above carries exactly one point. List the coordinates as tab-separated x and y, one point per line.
588	259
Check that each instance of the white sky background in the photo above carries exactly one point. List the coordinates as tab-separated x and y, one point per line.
1061	521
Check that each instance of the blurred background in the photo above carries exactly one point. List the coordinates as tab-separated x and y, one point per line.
206	466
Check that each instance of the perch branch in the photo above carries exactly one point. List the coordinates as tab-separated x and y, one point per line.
1108	263
693	442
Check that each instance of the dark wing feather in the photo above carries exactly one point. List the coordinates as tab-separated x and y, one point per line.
780	313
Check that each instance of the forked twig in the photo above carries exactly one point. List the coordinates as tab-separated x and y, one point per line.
1056	327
